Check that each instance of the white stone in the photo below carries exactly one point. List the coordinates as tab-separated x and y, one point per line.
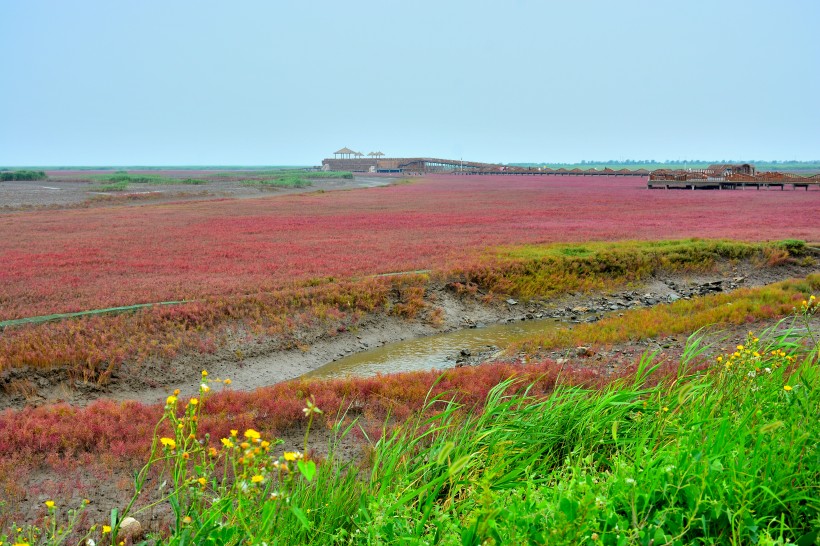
130	527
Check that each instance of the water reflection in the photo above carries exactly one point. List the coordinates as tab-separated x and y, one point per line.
432	352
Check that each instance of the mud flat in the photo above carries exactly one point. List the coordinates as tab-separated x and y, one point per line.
73	190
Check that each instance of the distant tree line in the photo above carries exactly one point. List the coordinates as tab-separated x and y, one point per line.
7	176
651	164
792	163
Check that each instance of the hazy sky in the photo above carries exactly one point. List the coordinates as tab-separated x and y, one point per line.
274	82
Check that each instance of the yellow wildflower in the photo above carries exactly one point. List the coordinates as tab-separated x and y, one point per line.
234	432
202	481
740	347
227	443
204	373
258	478
106	529
186	519
170	400
265	444
787	388
292	455
212	452
252	434
227	381
168	442
194	402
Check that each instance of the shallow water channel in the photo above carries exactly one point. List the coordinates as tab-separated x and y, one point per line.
439	351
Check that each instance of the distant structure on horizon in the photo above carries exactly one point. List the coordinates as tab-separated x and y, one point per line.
353	161
718	176
724	170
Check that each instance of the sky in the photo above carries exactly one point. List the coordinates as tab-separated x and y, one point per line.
287	83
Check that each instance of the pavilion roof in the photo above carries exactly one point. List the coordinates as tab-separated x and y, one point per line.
344	151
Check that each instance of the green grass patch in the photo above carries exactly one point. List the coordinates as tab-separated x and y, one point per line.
13	176
546	270
727	457
280	182
329	174
114	186
155	179
288	178
282	173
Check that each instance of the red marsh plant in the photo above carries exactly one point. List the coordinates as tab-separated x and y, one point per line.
77	260
91	348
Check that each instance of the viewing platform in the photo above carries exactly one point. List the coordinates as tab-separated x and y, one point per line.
729	177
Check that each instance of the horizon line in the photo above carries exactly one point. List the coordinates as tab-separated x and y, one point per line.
261	166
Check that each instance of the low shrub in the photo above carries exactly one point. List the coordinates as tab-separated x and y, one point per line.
9	176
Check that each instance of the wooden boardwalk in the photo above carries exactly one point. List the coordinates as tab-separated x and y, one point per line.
717	177
530	172
782	184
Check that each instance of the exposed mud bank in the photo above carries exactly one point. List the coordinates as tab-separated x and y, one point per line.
255	364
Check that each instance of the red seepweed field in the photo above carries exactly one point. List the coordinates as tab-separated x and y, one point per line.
76	260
